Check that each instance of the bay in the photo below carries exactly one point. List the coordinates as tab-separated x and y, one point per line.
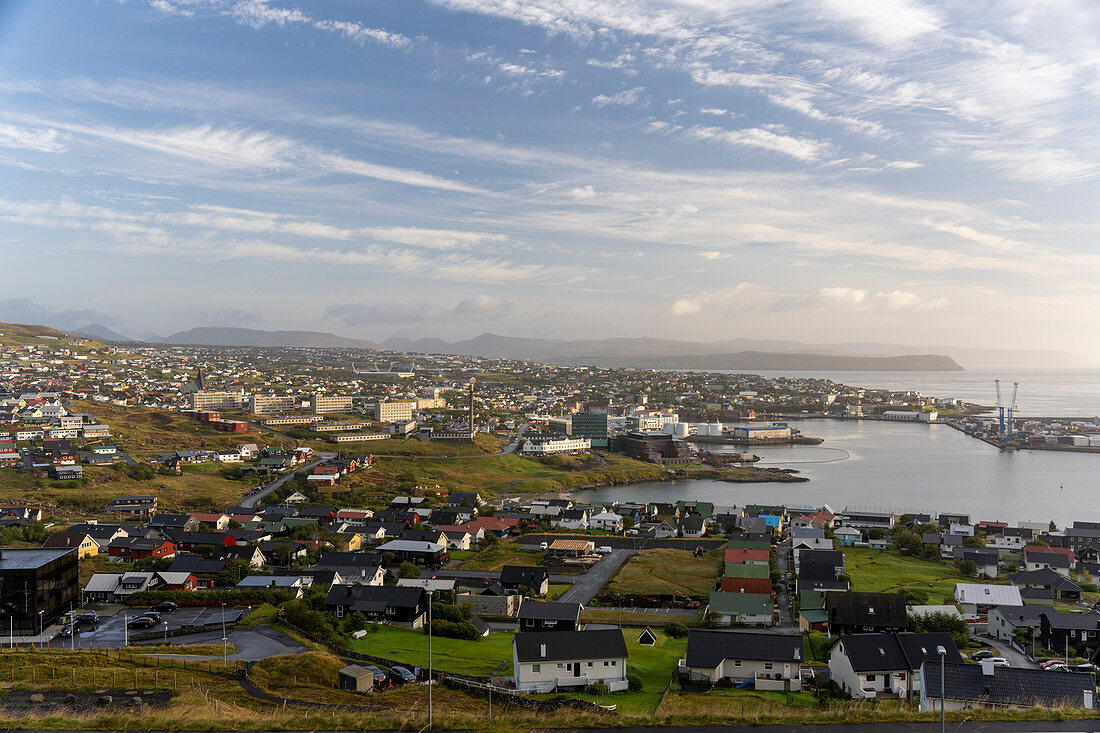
903	467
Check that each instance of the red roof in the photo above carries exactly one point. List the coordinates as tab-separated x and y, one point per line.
739	555
745	585
1034	549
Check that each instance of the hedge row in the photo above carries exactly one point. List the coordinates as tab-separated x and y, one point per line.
256	597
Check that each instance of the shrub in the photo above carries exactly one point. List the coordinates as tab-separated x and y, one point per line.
634	682
598	688
454	630
448	612
409	570
676	630
256	597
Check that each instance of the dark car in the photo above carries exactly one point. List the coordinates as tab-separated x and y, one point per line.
401	675
152	615
87	618
381	679
165	607
981	654
65	632
141	622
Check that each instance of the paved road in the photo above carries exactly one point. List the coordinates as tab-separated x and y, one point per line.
260	642
1004	649
250	501
586	587
782	599
495	575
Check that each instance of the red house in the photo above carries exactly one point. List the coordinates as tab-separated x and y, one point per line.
129	549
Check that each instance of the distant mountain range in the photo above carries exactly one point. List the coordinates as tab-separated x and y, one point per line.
653	353
223	336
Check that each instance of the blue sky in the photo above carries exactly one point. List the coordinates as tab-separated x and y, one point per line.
890	170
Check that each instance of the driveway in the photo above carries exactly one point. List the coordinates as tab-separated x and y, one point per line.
782	598
586	586
260	642
1015	658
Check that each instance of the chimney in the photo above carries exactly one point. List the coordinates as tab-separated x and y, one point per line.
542	650
348	587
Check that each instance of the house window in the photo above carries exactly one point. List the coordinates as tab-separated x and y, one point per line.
736	662
390	610
767	665
536	668
560	665
605	664
590	664
339	612
870	678
614	663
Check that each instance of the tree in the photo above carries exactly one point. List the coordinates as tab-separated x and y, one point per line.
906	539
975	542
408	570
876	533
1053	526
628	523
967	568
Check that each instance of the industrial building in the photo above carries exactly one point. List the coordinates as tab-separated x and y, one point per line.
653	447
293	420
321	404
37	586
357	437
591	425
259	404
761	432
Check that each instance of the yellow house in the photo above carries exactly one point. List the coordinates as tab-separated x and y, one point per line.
348	542
84	544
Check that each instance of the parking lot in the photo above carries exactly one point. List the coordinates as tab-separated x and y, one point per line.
112	630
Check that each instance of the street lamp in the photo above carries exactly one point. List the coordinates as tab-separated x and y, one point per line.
225	641
40	629
943	653
125	631
429	660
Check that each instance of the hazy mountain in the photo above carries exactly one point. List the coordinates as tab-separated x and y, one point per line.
645	351
781	360
225	336
101	332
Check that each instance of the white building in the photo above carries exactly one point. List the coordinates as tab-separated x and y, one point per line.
557	444
545	661
609	521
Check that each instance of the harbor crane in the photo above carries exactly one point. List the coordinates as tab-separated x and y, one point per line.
1006	414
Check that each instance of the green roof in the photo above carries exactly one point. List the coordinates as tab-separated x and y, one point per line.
740	570
735	544
733	604
811	599
814	615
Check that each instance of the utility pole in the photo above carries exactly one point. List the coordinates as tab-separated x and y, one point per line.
430	680
943	696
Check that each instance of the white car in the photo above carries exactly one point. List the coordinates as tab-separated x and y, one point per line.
996	661
604	550
544	546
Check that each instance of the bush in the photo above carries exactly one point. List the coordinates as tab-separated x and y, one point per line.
256	597
454	614
634	682
409	570
454	630
598	688
676	630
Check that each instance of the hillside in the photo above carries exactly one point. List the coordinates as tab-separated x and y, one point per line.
763	361
225	336
101	332
21	334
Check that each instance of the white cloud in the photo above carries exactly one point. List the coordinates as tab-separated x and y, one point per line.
626	98
479	307
755	298
883	22
799	148
43	140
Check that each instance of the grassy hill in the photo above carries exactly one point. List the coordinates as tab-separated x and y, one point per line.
21	334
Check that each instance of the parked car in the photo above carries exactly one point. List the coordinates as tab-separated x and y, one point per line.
604	550
996	661
544	545
141	622
165	607
1051	663
87	618
152	616
981	654
66	631
1053	667
1085	667
381	678
401	675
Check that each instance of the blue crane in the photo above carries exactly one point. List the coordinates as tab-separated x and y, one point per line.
1000	411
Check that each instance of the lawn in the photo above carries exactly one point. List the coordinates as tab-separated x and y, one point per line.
887	571
659	572
556	590
497	555
596	615
655	666
488	655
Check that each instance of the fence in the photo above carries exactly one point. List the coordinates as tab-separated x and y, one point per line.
113	669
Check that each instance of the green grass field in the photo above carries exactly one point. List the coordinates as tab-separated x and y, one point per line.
659	572
887	571
488	655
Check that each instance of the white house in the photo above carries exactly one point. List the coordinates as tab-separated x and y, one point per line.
609	521
867	666
975	599
545	661
571	519
770	661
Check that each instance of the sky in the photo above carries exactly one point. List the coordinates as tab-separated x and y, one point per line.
903	171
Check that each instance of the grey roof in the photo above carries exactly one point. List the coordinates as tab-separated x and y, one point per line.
30	558
522	575
1089	620
1022	615
563	646
1044	578
410	546
1010	685
374	597
897	651
549	611
986	594
707	648
884	610
809	533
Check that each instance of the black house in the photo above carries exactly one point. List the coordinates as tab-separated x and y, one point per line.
548	616
855	613
520	578
400	606
1077	632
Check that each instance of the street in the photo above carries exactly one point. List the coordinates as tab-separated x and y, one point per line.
586	586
